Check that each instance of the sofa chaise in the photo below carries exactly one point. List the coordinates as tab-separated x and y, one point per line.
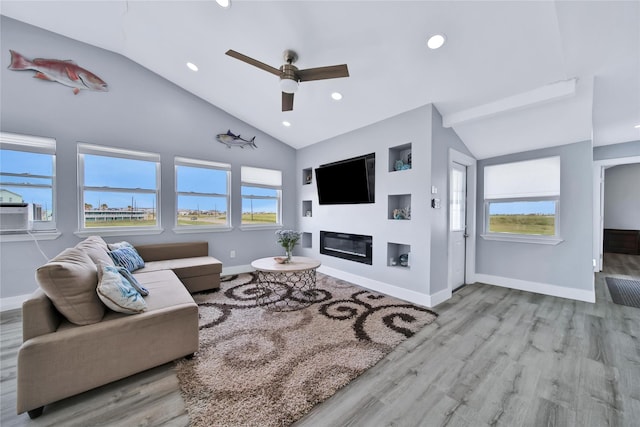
73	343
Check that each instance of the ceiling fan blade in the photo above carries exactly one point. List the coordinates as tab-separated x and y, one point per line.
254	62
322	73
287	101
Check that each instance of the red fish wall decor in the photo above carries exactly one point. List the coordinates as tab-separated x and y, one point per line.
66	72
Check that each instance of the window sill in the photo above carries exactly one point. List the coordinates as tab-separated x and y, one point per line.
34	235
118	232
200	229
521	238
260	227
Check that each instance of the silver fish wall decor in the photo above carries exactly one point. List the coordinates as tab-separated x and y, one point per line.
66	72
232	140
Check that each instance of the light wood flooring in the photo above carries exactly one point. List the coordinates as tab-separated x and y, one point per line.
494	357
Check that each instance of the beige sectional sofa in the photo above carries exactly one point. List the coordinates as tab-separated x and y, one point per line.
73	343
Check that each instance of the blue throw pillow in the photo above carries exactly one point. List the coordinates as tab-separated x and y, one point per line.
134	282
128	258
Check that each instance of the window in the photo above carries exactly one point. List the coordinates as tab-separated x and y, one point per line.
522	198
202	194
27	181
261	196
118	189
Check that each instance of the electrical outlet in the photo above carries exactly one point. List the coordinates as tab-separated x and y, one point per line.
232	254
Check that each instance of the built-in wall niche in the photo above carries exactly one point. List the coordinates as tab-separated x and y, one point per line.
398	255
306	208
305	241
399	206
307	176
400	157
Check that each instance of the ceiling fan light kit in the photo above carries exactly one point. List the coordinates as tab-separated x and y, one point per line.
288	85
291	76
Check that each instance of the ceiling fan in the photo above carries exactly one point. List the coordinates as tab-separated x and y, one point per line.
290	75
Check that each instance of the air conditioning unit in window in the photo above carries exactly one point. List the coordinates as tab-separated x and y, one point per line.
15	217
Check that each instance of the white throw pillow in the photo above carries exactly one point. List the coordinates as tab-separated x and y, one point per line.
119	245
116	292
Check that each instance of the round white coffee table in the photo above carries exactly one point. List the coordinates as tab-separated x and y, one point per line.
286	287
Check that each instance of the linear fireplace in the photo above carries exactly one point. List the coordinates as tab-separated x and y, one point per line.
354	247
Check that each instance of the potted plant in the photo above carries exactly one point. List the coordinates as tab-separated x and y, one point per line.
288	239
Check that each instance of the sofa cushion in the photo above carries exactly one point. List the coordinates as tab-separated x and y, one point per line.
128	258
70	280
117	293
159	252
186	267
96	248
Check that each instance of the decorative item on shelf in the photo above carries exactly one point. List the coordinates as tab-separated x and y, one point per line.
409	159
232	140
404	260
308	214
402	213
401	166
65	72
288	239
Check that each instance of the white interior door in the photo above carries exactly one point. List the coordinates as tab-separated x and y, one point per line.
458	223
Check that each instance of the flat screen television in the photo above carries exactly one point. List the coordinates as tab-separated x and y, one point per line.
348	181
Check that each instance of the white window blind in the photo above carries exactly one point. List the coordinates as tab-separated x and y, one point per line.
526	179
97	150
262	177
183	161
32	144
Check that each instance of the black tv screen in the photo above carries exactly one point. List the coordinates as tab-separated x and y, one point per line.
347	182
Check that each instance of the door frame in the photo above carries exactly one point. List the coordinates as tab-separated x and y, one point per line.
599	167
470	244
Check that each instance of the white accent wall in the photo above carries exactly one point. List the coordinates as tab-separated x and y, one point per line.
425	233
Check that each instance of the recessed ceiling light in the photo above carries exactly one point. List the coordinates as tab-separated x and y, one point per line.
637	126
286	123
336	96
436	41
224	3
192	66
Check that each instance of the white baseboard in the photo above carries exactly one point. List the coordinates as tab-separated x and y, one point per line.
11	303
539	288
440	296
385	288
236	269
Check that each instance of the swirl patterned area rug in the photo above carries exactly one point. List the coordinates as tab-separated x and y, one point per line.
259	367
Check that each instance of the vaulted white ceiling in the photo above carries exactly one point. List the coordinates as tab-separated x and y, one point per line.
513	76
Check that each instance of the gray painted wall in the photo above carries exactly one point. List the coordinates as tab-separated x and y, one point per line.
372	219
142	111
614	151
622	197
569	264
442	140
